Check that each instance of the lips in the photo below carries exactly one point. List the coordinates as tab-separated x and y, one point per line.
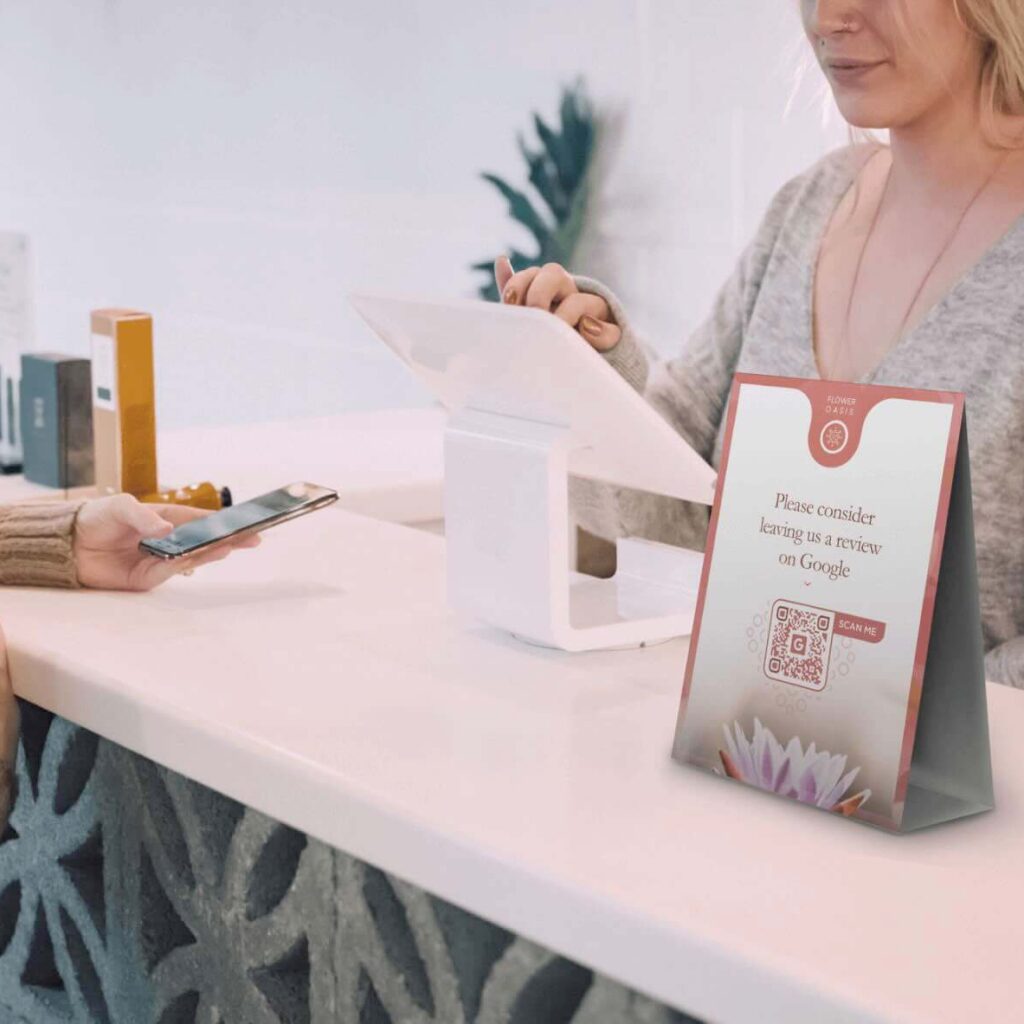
850	70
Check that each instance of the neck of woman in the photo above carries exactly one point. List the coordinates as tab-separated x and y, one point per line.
946	150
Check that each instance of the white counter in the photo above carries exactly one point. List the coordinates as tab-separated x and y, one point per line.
320	679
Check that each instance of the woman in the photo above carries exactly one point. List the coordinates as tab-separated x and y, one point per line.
899	265
95	544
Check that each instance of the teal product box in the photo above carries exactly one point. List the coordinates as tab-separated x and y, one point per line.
56	419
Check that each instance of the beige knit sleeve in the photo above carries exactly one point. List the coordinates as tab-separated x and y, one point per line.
37	544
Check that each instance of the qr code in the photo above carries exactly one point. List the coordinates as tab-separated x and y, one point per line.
799	645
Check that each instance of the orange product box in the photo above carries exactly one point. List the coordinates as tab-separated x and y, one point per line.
123	402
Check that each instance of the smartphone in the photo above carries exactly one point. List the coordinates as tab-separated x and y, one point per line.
250	517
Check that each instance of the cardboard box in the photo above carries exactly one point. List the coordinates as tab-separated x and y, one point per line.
123	402
56	419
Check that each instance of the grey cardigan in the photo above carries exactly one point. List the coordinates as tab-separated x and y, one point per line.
972	341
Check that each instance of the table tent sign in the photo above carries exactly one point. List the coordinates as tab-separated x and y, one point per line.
837	656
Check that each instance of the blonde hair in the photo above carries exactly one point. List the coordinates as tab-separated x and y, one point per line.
999	25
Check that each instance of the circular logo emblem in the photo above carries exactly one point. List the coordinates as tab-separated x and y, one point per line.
834	436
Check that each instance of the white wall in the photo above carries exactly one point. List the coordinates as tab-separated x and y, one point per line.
234	166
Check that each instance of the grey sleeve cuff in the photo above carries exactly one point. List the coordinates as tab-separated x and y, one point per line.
628	357
1005	663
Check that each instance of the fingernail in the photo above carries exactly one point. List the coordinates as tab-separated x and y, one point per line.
590	327
511	297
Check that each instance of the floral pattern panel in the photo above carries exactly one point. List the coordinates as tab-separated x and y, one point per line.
131	895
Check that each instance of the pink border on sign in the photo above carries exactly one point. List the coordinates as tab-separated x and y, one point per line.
870	395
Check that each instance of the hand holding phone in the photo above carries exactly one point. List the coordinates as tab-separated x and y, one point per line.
253	516
106	543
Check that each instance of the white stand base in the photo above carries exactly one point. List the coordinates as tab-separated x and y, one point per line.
507	532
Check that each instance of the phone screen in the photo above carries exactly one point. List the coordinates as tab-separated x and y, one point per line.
259	513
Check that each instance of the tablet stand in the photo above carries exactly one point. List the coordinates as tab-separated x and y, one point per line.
508	541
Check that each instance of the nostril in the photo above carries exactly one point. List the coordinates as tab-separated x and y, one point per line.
833	17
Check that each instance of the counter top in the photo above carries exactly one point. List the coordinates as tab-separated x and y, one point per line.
322	680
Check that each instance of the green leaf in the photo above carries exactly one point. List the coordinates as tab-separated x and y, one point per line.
577	119
544	178
520	207
568	233
558	173
559	152
520	260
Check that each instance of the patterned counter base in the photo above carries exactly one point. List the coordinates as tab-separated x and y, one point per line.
130	895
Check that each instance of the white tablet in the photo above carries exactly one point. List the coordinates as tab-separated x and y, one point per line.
528	364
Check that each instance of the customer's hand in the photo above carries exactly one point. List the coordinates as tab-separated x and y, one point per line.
552	287
107	535
8	736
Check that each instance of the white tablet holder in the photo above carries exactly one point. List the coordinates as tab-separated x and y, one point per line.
530	403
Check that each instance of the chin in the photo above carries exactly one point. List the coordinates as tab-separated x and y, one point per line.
866	113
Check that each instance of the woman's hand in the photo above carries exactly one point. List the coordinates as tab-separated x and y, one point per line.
552	287
107	535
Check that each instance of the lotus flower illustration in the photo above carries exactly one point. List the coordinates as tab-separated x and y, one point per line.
810	776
